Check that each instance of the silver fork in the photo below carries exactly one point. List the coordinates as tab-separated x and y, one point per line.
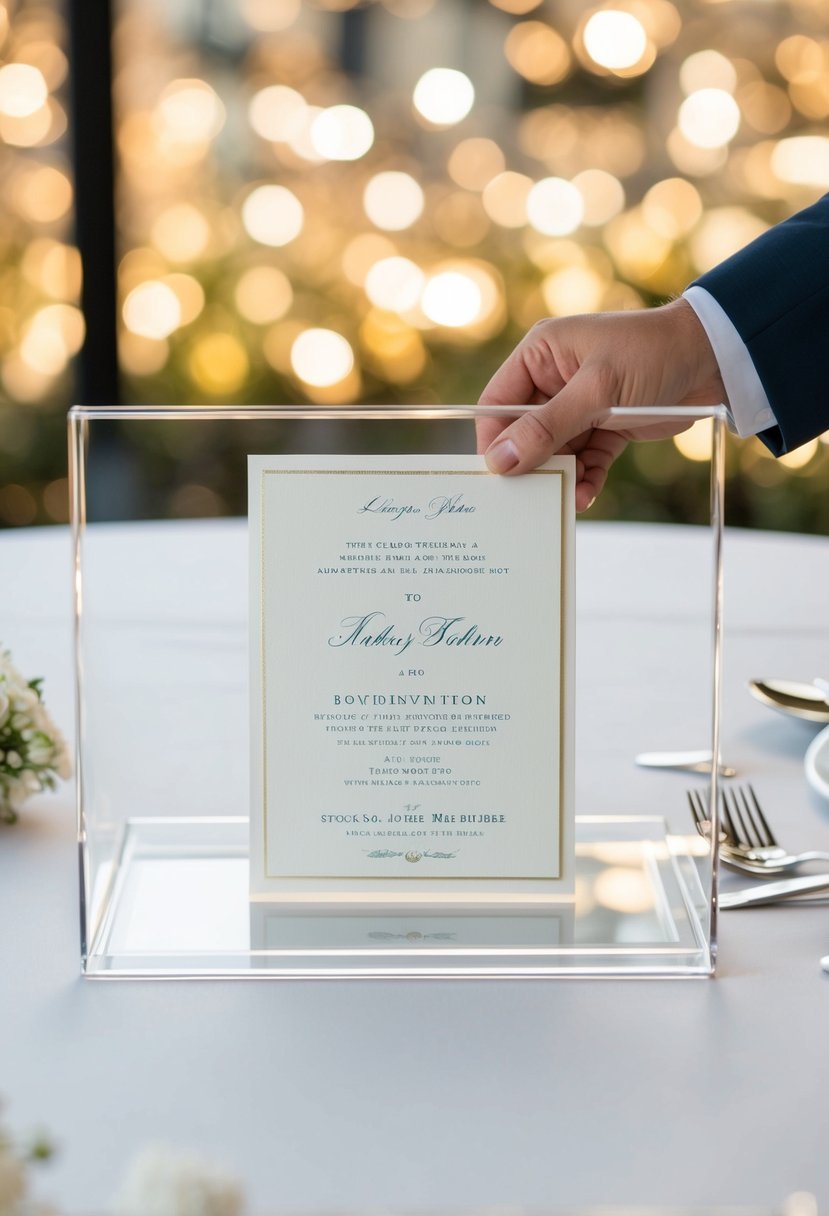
747	842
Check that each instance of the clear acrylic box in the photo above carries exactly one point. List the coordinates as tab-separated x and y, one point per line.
163	719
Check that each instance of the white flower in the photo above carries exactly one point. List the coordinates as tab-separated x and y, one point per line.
63	764
12	1181
15	792
160	1182
33	752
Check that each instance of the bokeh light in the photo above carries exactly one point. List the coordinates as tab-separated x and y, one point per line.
189	293
638	251
623	889
709	118
723	231
273	215
555	207
181	233
764	106
573	289
218	363
39	50
692	160
392	348
53	268
42	127
452	299
518	8
803	160
395	284
467	313
56	500
505	199
152	310
393	200
697	442
342	133
707	70
321	357
141	356
362	252
270	16
23	90
615	39
672	207
263	294
443	96
41	194
537	52
18	505
300	141
190	112
799	59
343	200
52	336
278	113
603	196
475	162
800	457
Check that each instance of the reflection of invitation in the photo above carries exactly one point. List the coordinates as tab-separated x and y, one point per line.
429	939
412	654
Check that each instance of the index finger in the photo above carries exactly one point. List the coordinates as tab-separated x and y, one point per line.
512	384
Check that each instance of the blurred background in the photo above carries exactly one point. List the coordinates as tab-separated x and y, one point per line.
334	201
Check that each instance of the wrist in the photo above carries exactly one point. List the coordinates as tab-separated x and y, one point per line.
704	378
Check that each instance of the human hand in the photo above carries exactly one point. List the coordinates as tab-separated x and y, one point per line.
576	368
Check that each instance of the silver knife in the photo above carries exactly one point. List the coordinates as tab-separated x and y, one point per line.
686	762
774	892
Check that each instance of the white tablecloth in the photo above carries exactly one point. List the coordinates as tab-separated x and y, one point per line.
440	1094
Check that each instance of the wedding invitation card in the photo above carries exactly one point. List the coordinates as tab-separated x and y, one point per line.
412	680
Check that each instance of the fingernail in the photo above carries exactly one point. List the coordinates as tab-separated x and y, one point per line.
590	504
502	456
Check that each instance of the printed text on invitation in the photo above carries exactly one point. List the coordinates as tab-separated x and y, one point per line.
411	621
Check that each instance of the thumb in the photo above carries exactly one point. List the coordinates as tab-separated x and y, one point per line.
546	429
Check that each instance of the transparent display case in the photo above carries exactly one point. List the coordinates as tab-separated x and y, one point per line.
161	593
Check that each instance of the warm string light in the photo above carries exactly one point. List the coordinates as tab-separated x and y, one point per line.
341	234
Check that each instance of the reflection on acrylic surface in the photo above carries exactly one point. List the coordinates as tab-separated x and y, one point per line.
173	897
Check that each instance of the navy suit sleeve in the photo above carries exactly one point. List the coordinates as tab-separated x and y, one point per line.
776	294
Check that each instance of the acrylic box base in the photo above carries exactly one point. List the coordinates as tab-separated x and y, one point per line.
175	905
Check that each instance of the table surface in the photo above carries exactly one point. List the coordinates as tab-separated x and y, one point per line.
440	1093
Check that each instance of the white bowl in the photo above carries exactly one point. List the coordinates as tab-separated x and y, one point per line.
816	763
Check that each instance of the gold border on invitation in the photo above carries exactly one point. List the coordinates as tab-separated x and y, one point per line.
373	878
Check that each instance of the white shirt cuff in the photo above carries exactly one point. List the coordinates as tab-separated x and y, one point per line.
747	401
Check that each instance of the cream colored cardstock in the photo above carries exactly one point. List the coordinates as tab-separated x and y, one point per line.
412	680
